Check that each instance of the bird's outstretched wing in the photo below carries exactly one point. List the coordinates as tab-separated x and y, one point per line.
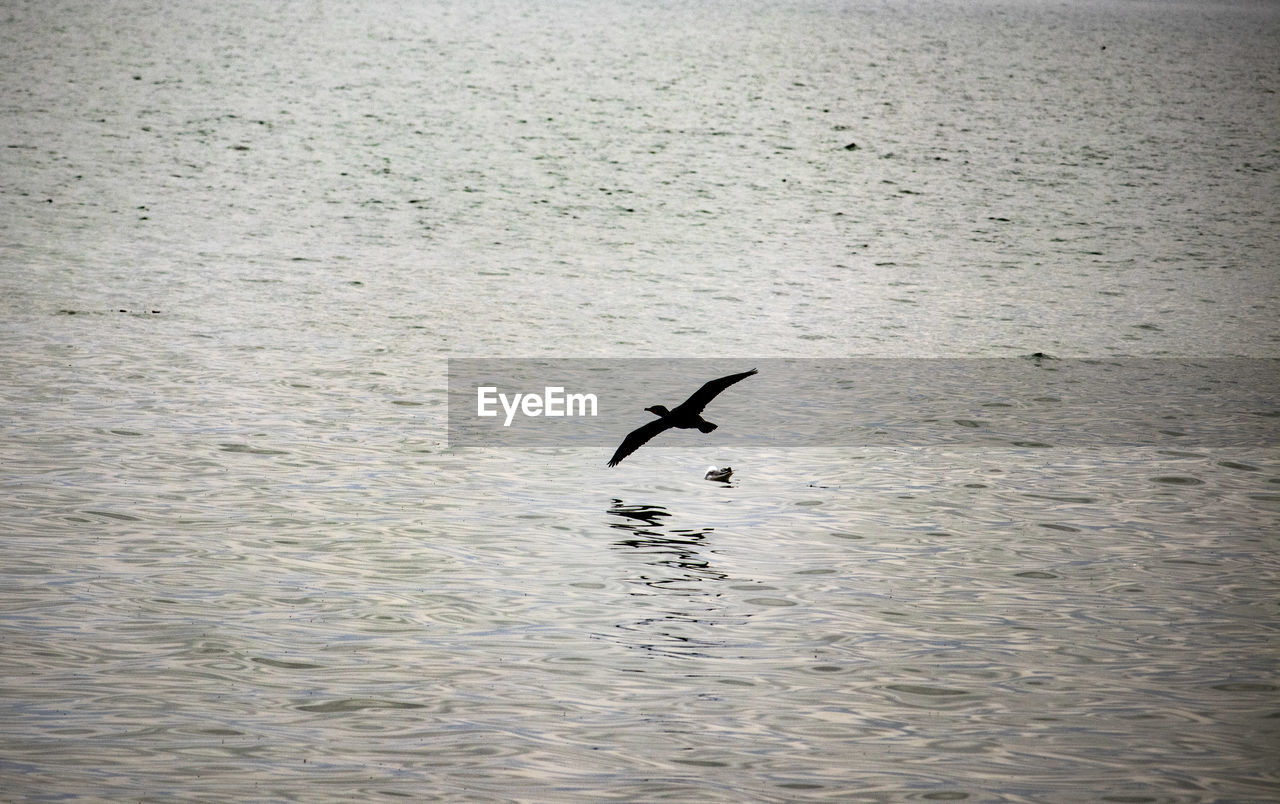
695	403
636	438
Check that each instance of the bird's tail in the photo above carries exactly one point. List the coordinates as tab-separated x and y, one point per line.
706	427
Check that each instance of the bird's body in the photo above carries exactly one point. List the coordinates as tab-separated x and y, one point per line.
686	416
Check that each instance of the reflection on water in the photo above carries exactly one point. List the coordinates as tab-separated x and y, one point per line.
677	550
677	565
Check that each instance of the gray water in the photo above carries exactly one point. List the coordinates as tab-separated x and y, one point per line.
239	242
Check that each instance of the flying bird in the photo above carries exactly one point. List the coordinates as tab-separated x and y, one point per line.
686	416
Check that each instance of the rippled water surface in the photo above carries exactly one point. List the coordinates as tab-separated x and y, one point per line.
239	241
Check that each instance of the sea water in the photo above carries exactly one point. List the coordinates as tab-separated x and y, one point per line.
240	241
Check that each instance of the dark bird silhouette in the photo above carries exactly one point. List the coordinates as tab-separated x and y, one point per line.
686	416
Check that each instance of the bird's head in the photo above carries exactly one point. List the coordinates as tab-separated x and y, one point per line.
658	410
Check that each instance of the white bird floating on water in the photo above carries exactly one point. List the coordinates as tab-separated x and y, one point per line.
718	474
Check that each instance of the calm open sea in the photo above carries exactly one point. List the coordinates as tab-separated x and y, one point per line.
239	242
